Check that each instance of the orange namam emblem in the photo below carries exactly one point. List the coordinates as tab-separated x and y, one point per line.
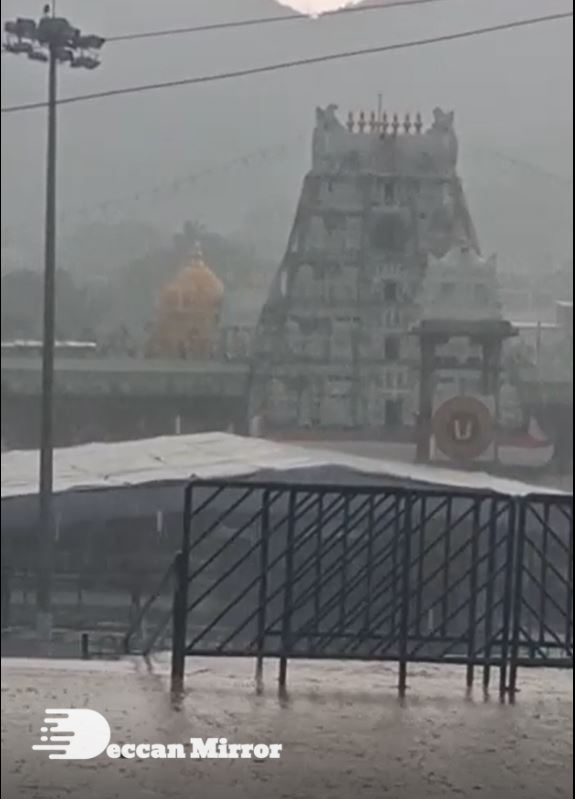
463	428
187	313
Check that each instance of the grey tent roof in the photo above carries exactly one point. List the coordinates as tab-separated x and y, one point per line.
178	459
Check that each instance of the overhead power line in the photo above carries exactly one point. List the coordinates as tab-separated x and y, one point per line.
172	186
526	166
242	73
100	210
281	18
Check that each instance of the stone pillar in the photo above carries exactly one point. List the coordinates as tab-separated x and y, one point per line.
491	348
425	409
490	368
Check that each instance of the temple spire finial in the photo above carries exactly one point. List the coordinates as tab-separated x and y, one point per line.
384	125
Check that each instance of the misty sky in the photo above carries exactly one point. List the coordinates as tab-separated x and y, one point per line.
314	5
131	158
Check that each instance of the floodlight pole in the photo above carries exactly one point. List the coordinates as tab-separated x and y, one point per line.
64	44
46	518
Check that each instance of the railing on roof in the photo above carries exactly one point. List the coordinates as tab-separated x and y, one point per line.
62	348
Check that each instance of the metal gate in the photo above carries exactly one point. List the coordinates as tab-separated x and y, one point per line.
353	572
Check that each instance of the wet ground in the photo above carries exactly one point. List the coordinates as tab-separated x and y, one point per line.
345	733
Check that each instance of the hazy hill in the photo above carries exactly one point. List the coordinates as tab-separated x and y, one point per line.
511	93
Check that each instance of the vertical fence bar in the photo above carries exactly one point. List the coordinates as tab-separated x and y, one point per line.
529	584
317	593
420	564
180	602
517	596
369	565
6	596
405	593
343	567
472	618
395	568
263	589
507	595
490	589
288	591
569	613
446	566
543	575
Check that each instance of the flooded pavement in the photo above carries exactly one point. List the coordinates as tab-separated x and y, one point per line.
344	732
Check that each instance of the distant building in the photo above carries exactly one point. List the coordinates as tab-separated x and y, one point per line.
462	287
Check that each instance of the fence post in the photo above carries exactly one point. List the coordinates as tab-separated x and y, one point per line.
405	597
85	646
507	596
472	617
180	602
517	597
6	597
288	591
569	614
490	589
263	592
178	625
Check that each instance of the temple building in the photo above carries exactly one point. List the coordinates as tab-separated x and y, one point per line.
461	333
462	290
187	314
333	348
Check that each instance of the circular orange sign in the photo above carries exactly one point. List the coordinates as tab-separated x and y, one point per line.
463	428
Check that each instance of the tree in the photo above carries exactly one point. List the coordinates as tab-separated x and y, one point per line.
77	308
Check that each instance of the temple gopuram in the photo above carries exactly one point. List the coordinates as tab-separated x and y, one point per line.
333	348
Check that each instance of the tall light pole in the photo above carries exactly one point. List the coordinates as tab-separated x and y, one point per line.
54	41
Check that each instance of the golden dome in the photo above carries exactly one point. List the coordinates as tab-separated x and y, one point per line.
194	285
187	313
